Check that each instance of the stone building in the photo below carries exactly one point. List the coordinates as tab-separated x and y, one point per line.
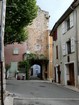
37	43
66	49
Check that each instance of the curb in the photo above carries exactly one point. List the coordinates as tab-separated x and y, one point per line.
68	87
72	88
9	97
8	100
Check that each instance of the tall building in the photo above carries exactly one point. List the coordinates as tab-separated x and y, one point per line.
37	43
66	47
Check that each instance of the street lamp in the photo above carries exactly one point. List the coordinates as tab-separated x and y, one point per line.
2	25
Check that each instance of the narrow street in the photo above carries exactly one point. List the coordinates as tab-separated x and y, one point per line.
36	92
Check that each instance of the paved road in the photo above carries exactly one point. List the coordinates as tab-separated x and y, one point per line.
41	93
45	102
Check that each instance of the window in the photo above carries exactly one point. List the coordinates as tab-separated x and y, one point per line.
68	23
56	52
37	47
15	51
72	44
55	35
68	47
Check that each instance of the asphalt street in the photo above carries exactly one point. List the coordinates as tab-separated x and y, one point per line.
34	92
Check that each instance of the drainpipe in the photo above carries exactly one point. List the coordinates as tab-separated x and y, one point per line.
49	54
3	9
1	61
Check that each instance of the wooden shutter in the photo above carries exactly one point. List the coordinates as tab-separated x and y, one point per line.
72	44
63	28
55	35
57	52
64	49
71	20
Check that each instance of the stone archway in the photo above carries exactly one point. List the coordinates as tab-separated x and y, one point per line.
43	66
35	72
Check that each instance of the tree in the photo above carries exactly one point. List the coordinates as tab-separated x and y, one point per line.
19	14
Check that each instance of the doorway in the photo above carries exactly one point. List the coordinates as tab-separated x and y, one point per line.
69	74
57	74
35	72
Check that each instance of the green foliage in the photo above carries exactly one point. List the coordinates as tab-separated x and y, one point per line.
36	56
30	58
41	56
27	69
22	64
25	64
19	14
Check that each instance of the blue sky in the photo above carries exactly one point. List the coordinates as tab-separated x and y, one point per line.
55	8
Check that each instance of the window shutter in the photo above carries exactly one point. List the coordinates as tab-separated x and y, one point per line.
63	28
63	49
66	50
57	52
72	44
71	20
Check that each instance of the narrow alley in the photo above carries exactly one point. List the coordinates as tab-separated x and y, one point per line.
37	92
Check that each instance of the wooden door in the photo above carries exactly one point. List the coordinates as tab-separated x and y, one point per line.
59	74
55	73
71	74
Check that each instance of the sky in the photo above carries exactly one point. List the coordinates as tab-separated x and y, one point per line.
56	8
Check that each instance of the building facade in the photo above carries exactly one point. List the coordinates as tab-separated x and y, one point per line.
37	42
66	48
